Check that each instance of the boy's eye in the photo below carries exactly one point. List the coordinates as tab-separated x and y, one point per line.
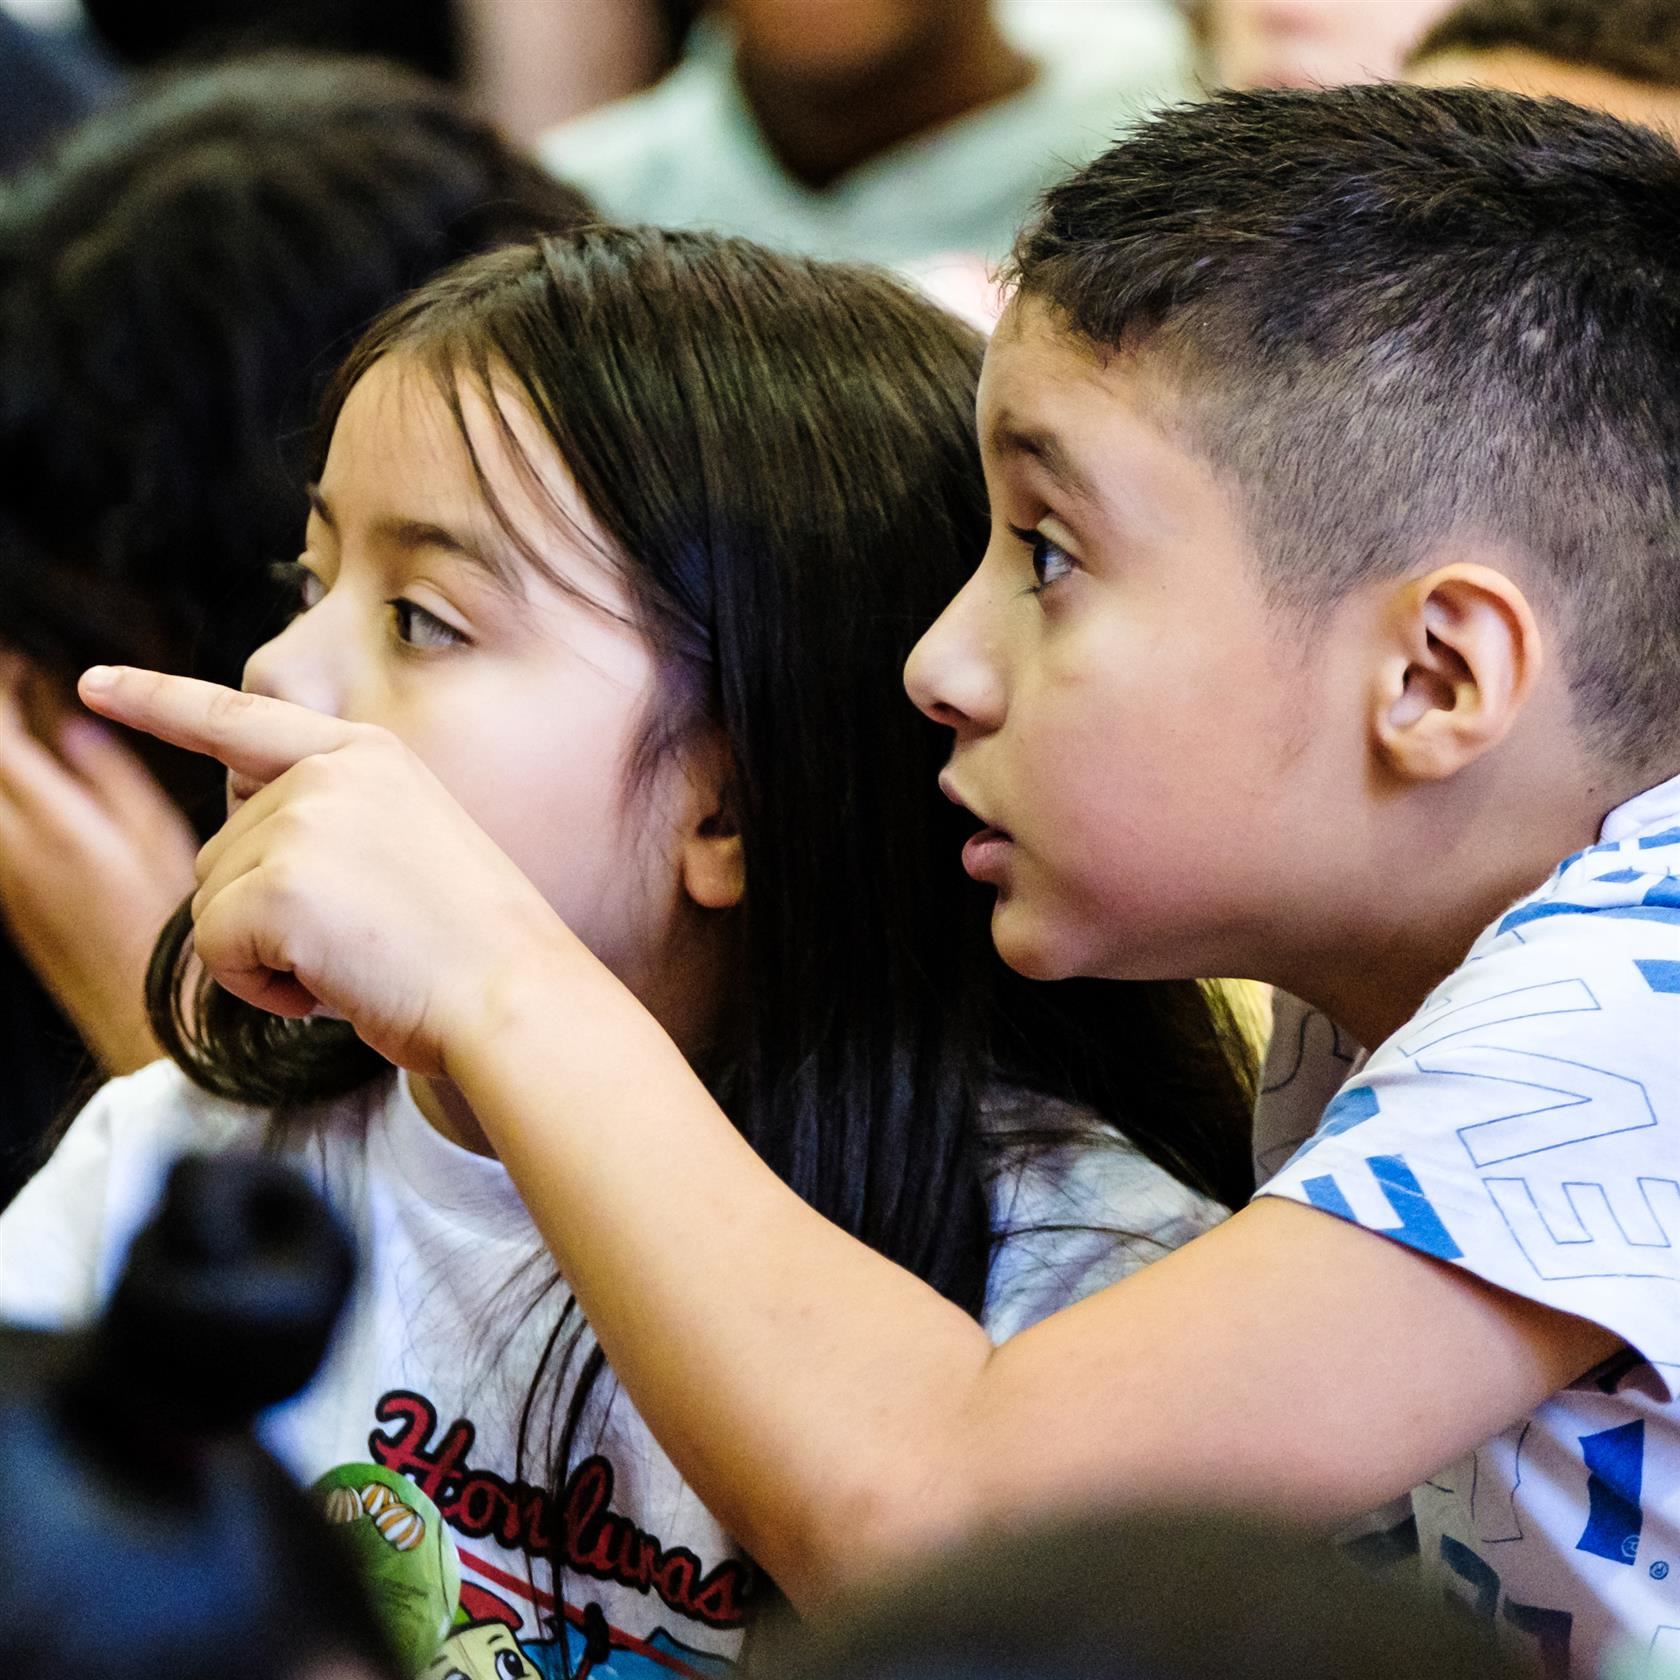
1050	562
301	588
417	628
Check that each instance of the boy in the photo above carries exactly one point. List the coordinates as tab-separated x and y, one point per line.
1621	56
1333	596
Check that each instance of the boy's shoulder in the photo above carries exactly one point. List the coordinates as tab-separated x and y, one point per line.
1525	1123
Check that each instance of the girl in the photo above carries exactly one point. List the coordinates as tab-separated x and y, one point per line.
625	538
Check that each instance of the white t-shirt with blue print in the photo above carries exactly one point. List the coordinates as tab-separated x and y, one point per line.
1525	1125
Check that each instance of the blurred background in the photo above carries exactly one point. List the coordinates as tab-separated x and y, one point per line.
531	64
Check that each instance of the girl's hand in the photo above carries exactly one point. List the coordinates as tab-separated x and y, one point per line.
94	856
349	881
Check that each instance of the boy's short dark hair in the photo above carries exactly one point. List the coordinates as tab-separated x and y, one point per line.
1638	39
1396	314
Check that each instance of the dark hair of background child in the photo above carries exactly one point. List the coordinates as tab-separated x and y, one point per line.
177	282
1638	39
781	456
1396	314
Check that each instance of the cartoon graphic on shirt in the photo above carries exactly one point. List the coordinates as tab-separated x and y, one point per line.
483	1651
403	1550
453	1612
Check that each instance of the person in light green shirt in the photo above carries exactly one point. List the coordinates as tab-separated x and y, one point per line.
892	131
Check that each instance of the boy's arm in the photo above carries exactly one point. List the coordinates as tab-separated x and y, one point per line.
832	1410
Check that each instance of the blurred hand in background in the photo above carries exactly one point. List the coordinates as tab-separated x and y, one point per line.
94	856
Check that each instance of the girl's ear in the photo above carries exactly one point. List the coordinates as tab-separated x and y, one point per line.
714	869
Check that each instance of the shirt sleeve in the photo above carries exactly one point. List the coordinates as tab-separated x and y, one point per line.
1525	1125
1072	1218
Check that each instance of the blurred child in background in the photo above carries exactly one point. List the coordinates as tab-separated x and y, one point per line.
891	131
1307	43
1621	56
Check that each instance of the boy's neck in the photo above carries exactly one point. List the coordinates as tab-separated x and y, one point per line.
1469	855
821	129
1371	988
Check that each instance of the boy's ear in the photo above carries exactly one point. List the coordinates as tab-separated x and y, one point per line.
714	869
1462	656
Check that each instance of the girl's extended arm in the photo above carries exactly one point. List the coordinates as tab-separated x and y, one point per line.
830	1408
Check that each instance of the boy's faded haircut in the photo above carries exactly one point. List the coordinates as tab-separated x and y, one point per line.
1394	315
1638	39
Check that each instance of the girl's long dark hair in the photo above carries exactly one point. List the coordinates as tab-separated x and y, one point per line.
780	454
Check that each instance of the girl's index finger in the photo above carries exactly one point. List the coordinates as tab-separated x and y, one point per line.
251	734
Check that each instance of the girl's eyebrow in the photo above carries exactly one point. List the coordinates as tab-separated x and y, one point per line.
410	534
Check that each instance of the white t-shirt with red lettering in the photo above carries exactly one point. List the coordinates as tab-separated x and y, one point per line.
415	1420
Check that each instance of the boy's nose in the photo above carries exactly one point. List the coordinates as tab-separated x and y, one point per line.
952	673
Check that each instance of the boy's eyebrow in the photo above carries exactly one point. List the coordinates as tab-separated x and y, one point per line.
1010	437
409	534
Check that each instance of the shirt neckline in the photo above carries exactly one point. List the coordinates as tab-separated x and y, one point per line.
465	1184
1644	811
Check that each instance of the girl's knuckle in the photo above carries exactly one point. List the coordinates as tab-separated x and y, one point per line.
227	708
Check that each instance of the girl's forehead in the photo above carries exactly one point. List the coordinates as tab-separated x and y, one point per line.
440	436
419	445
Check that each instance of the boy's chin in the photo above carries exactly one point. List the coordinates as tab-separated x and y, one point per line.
1040	948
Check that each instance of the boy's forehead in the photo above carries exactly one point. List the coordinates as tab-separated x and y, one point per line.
1045	389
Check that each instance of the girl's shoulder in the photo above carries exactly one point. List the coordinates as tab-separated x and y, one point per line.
159	1107
67	1229
160	1103
1075	1206
1048	1159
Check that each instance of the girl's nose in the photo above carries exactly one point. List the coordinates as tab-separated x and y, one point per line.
297	665
952	673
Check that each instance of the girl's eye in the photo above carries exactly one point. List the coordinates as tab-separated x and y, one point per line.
299	585
417	628
1050	562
